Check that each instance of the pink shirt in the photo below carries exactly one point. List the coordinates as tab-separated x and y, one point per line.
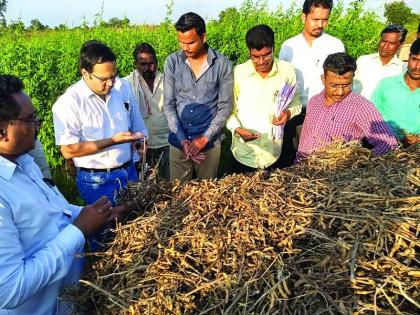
353	118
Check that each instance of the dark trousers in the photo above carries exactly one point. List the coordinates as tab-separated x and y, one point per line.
288	151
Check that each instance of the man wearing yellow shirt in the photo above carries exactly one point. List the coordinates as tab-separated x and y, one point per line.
256	122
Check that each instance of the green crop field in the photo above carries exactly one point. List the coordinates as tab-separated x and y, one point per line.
47	61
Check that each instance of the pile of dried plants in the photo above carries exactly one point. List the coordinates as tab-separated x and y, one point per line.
337	234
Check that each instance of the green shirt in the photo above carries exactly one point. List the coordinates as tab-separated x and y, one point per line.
398	105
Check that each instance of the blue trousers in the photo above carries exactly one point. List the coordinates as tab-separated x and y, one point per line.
94	185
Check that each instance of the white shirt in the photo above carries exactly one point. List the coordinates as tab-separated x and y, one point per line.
370	71
38	243
151	108
308	61
81	115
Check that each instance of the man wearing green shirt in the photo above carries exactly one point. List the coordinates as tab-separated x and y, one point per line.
398	99
260	85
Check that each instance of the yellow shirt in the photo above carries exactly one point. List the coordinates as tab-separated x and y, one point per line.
254	105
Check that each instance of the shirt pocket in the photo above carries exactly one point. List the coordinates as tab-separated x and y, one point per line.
209	91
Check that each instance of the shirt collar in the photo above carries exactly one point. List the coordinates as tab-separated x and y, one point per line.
211	55
87	92
7	168
395	60
401	80
315	39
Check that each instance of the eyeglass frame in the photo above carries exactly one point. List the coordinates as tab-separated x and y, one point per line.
263	58
103	80
34	119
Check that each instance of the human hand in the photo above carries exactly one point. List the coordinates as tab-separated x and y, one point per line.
93	216
140	146
411	139
185	147
126	136
282	119
197	145
199	158
118	212
247	135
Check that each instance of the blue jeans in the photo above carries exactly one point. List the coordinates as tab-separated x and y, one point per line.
94	185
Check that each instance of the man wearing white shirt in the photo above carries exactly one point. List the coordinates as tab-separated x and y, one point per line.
374	67
96	122
41	233
147	84
307	52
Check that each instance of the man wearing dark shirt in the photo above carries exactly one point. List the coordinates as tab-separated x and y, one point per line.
198	88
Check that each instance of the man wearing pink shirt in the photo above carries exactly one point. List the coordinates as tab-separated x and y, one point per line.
337	113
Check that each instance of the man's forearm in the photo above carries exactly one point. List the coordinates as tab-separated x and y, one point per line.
85	148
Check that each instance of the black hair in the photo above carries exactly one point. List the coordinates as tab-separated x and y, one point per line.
259	36
418	29
339	63
191	20
308	4
144	48
395	28
9	108
415	47
94	52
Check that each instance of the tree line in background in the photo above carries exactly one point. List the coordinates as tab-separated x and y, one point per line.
47	61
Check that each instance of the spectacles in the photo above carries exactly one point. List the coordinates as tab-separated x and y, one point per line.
340	86
33	119
105	80
266	57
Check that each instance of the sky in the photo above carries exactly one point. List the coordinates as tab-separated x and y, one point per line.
73	12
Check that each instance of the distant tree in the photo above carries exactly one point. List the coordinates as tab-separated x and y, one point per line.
116	22
228	14
3	7
36	25
398	12
16	25
61	27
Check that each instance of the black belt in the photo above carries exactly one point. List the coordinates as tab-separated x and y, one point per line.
97	170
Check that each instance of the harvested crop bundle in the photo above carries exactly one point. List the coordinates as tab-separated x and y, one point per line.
337	234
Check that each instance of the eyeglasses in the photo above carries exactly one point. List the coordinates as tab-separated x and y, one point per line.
33	119
105	80
336	87
266	57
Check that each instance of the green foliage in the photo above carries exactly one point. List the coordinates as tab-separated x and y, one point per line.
47	61
398	12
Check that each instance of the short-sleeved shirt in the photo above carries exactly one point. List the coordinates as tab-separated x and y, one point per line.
370	71
308	61
398	105
254	107
199	106
81	115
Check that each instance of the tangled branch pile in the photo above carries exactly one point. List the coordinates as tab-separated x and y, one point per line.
337	234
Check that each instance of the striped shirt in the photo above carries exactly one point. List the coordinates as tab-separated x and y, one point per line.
354	118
